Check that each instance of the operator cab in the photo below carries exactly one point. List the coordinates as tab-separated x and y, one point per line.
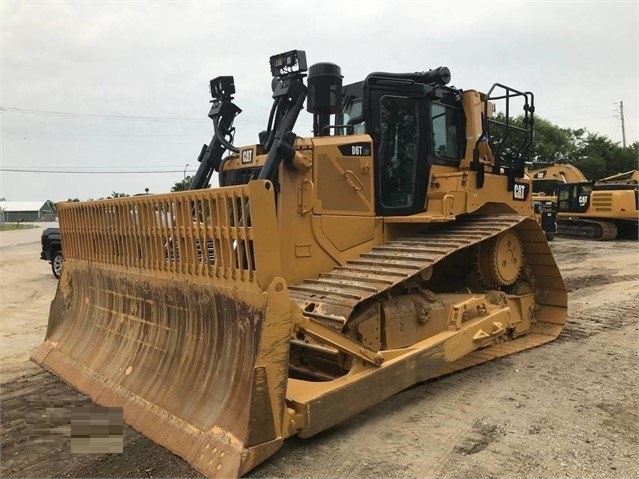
574	197
415	121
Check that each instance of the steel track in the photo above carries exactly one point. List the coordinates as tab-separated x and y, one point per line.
585	228
332	297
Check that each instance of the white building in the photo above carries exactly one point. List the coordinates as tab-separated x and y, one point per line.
13	211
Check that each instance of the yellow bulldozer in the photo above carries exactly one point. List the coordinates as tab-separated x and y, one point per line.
324	275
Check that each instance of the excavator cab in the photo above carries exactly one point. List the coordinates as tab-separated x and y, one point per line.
573	197
605	209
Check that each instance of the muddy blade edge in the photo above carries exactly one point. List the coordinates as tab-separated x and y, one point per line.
182	359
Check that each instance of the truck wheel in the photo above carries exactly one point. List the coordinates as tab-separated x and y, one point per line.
56	264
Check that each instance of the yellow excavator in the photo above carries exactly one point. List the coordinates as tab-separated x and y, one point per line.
324	275
629	178
547	176
605	209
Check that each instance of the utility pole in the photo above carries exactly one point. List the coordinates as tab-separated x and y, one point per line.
623	126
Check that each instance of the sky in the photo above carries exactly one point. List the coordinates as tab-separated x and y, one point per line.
97	97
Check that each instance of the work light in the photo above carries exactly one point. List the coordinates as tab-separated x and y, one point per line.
289	63
222	87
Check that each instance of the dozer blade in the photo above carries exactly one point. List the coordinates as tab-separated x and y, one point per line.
194	350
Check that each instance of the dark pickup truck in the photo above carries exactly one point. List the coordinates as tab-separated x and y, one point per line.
52	250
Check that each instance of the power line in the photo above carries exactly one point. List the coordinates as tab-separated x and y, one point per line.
105	116
582	119
102	135
49	171
94	167
581	107
96	115
550	115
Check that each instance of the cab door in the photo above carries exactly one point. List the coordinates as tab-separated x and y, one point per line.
573	197
397	121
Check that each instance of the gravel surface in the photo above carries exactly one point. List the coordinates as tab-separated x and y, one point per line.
566	409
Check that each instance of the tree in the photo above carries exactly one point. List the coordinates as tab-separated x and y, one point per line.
182	185
74	200
115	194
551	143
596	155
51	205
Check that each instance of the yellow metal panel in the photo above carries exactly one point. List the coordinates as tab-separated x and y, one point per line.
343	184
346	232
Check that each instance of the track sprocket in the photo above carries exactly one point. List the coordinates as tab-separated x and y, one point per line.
500	259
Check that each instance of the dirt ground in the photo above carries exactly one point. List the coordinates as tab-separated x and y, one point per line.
567	409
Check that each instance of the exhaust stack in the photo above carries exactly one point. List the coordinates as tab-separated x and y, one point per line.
325	99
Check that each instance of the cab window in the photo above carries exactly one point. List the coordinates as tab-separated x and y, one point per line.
353	109
547	187
445	121
398	150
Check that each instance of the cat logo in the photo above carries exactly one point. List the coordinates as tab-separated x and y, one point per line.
520	191
247	156
540	174
583	200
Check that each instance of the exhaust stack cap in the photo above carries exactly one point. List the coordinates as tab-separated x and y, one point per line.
325	89
439	75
